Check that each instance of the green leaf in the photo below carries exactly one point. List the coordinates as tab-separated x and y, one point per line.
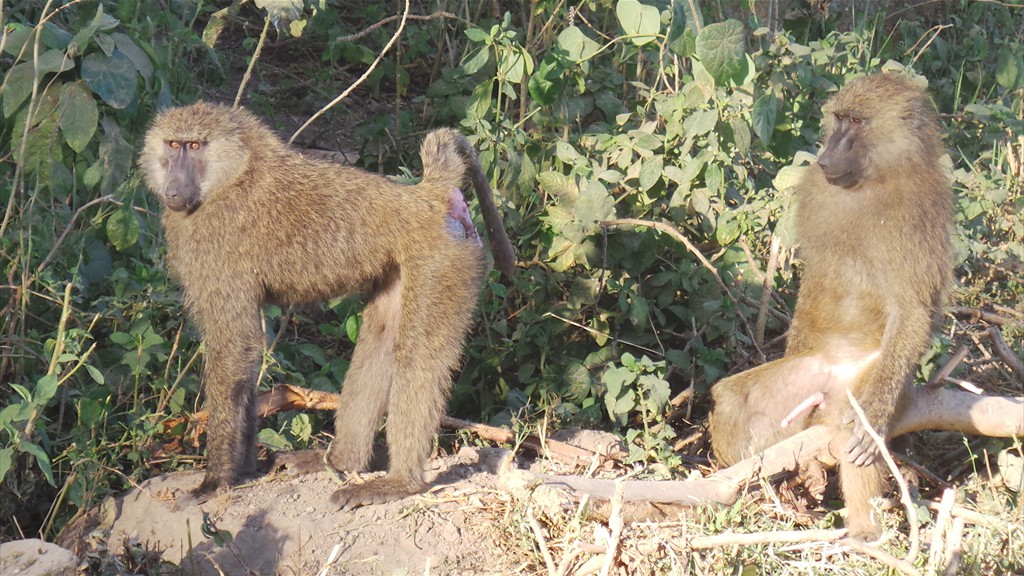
123	228
547	81
352	328
1009	70
479	105
477	35
6	459
46	387
113	77
515	63
476	62
301	427
700	122
638	20
650	172
95	373
79	115
314	352
17	88
139	58
574	45
41	459
721	47
273	440
558	185
763	117
99	22
740	135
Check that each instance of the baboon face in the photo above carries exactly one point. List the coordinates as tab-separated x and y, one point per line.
184	163
841	160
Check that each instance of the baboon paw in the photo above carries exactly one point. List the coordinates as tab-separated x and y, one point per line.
206	491
298	462
861	449
375	491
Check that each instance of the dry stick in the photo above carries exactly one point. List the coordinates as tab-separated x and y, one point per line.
615	523
360	80
976	314
968	515
942	524
908	503
953	549
760	538
942	373
767	283
538	535
675	233
67	230
1005	353
883	557
252	61
361	33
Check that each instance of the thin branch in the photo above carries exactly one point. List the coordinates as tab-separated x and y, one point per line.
360	34
252	61
401	27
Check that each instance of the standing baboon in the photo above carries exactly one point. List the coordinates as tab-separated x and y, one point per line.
249	221
874	218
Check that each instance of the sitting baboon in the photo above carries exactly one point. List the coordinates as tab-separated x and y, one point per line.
874	219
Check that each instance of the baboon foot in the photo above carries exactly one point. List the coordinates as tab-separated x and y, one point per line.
298	462
376	491
211	487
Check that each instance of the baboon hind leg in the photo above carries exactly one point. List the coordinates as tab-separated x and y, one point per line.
438	299
369	380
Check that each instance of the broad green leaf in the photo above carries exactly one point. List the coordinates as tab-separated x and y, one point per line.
700	122
116	155
650	172
281	12
515	64
95	373
577	381
477	35
558	185
46	387
42	460
595	205
763	117
476	62
6	458
1009	69
314	352
113	77
638	20
18	87
301	427
123	228
567	154
740	135
547	81
79	115
479	105
352	328
273	440
721	47
128	47
53	61
573	44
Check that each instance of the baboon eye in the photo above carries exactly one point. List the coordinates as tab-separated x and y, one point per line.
195	145
173	144
856	120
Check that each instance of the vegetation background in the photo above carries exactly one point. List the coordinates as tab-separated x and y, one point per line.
643	152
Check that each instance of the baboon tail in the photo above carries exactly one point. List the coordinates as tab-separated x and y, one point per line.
447	156
445	153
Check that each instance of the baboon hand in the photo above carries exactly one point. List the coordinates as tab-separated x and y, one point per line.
375	491
861	449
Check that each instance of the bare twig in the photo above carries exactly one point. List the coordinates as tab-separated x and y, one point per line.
942	373
542	544
1004	352
360	80
761	538
883	557
362	33
616	524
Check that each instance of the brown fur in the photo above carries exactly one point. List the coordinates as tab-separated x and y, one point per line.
249	221
877	266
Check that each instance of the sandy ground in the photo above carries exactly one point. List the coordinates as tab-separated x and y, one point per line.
286	525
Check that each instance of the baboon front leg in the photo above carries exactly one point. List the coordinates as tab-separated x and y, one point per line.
369	380
438	299
861	484
231	396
